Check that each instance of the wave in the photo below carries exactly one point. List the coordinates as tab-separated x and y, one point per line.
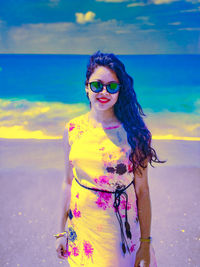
23	119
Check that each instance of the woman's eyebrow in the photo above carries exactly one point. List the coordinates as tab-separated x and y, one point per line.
108	82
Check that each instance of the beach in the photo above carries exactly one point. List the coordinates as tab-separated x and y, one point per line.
31	174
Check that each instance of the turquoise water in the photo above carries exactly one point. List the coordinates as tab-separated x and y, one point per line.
42	92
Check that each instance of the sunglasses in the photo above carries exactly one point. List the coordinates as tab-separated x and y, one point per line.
112	87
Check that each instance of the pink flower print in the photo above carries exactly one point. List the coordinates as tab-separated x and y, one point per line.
102	148
103	179
101	204
76	212
75	251
103	200
105	196
132	248
67	254
71	126
77	195
96	180
123	204
88	249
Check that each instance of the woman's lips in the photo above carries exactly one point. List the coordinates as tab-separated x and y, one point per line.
103	100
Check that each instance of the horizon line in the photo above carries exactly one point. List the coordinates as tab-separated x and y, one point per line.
78	54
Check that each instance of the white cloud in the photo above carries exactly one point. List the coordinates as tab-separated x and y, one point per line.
112	1
145	20
142	18
189	29
136	4
161	2
193	1
74	38
175	23
191	10
84	18
148	2
53	3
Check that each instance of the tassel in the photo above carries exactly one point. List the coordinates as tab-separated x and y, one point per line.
124	248
128	232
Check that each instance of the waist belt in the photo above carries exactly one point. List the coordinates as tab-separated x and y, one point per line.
118	192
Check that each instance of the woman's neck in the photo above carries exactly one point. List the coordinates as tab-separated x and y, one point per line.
104	117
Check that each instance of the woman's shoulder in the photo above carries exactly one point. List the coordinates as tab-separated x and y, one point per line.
77	122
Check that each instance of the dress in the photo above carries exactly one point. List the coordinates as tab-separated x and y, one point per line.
100	159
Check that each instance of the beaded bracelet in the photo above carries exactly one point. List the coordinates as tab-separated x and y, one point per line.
60	234
148	239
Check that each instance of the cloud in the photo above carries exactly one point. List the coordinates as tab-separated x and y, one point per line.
174	23
189	29
53	3
112	1
193	1
161	2
136	4
111	35
145	20
149	2
191	10
84	18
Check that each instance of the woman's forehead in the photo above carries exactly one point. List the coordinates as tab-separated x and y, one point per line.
104	73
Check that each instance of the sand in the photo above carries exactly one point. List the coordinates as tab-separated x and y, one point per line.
31	173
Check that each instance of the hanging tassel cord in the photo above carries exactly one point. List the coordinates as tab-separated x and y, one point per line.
117	193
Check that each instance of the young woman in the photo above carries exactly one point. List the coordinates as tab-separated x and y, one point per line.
106	198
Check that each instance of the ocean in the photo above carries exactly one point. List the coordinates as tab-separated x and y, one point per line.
39	93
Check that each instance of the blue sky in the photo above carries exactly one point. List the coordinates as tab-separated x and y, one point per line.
84	26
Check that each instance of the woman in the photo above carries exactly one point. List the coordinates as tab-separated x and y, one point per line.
106	199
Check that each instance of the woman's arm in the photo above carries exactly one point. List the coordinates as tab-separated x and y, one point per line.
144	202
67	182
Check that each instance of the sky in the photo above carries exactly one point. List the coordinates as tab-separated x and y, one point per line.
84	26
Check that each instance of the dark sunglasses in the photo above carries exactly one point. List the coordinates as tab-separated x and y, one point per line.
112	87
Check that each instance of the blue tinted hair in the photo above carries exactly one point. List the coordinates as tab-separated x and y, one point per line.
127	110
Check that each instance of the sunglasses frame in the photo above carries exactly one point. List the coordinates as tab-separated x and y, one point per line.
111	92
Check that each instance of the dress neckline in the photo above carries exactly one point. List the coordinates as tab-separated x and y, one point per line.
100	125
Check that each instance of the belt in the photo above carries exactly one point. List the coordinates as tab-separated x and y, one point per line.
120	190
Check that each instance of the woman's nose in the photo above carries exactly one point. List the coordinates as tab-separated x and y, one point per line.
104	89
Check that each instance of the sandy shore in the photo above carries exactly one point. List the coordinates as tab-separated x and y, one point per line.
31	174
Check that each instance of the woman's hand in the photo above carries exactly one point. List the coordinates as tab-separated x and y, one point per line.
61	247
143	255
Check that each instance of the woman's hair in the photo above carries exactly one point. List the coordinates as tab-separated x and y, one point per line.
127	110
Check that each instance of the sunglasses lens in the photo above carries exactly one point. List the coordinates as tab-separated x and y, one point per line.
95	86
113	88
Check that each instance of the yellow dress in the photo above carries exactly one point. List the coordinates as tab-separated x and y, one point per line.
96	226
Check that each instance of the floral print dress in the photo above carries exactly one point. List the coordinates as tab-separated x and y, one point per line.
96	226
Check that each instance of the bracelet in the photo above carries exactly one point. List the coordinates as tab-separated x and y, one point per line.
148	239
60	234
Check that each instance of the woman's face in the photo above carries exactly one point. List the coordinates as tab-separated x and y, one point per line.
105	75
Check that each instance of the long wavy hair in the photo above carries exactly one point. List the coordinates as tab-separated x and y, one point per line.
128	111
